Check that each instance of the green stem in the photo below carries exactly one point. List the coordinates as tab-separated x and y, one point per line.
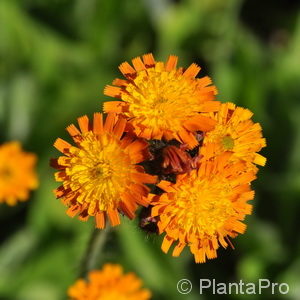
93	250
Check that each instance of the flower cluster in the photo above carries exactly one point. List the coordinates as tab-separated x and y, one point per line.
166	143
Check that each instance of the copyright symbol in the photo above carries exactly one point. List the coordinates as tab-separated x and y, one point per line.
184	286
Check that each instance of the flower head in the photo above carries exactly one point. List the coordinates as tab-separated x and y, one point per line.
100	174
109	284
204	208
236	133
17	173
162	101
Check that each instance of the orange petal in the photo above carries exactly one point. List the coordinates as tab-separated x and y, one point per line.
204	81
239	227
114	217
138	189
143	201
83	124
156	210
135	150
127	69
119	127
192	70
210	106
167	186
100	220
144	178
200	122
74	132
178	249
149	60
166	244
138	64
98	123
113	91
259	159
120	82
72	211
114	106
188	138
64	161
83	216
60	191
171	63
62	145
110	122
127	209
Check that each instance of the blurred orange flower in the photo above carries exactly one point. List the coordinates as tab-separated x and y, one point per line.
100	174
162	101
205	207
17	173
110	283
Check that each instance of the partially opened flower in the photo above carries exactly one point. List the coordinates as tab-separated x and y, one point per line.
100	174
236	133
17	173
110	283
162	101
204	208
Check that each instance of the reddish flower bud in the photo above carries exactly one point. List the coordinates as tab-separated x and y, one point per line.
176	160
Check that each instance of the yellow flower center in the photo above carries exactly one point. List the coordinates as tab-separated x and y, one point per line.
157	98
100	170
228	142
204	209
224	136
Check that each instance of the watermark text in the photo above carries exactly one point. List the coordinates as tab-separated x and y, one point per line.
184	286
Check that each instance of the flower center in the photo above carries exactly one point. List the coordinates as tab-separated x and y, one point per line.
228	142
99	170
203	209
157	97
102	171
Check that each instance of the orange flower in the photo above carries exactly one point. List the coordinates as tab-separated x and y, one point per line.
161	101
109	284
204	208
236	133
100	176
17	173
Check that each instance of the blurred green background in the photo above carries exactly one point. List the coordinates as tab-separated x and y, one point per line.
55	59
